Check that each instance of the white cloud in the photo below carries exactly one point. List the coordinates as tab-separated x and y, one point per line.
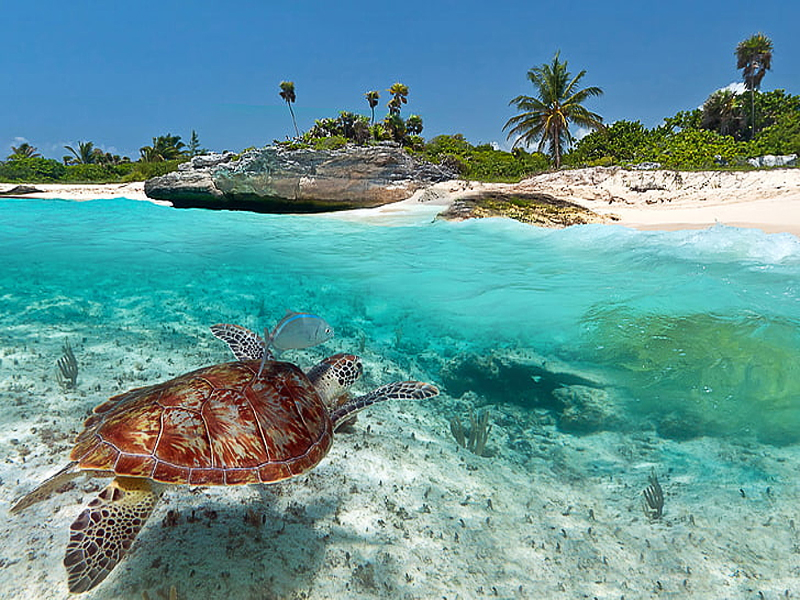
581	133
505	145
737	87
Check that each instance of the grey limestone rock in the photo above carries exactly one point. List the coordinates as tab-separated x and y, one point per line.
770	160
275	179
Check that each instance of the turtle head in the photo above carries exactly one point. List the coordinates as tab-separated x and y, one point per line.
333	376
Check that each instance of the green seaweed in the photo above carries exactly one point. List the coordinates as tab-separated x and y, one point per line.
705	374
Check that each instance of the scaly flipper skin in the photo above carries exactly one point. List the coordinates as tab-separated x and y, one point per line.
45	489
245	344
105	530
399	390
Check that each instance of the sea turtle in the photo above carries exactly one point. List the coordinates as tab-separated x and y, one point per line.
252	421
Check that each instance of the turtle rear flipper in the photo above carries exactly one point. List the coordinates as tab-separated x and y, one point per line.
45	489
105	530
399	390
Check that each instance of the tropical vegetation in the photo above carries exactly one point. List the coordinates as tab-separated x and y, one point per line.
718	135
727	130
288	94
86	163
24	150
754	58
483	162
545	117
372	97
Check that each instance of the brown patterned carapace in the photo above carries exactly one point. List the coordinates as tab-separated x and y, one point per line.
220	425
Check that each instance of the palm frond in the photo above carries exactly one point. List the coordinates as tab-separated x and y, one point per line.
545	117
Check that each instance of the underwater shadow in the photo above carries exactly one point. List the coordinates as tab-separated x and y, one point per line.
251	548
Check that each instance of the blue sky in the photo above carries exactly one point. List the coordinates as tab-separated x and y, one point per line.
120	73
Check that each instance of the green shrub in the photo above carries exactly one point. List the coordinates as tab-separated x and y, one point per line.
783	137
91	174
621	142
332	142
32	170
141	171
483	162
696	149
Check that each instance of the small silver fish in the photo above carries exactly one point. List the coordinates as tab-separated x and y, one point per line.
299	330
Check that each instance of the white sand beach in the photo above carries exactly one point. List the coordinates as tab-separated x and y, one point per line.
659	200
669	200
768	200
84	191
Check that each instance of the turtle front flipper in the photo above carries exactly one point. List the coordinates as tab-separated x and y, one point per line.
105	530
45	489
399	390
245	344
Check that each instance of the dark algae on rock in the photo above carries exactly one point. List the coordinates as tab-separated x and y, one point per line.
536	209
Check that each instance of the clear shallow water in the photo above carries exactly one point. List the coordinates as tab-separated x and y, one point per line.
689	332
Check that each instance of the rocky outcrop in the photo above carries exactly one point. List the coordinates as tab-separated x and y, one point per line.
278	180
542	210
769	160
20	190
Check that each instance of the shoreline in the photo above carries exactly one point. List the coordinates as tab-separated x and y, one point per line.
82	192
768	200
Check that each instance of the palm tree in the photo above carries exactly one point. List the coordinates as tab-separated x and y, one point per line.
87	154
287	93
558	102
399	94
24	150
165	147
372	97
721	113
194	145
414	125
754	57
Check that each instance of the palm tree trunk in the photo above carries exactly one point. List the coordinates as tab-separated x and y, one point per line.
294	121
556	133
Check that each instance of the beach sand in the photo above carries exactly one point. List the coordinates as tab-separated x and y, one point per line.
84	191
768	200
669	200
646	200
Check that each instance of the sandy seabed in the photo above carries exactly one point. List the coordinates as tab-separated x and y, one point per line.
398	509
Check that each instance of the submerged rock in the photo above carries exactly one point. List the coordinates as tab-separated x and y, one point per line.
585	409
278	180
577	398
543	210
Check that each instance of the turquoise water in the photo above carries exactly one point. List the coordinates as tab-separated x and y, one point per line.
690	333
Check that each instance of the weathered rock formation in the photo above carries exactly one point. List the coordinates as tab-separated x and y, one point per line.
542	210
20	190
278	180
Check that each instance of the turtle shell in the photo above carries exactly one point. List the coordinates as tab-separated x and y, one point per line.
220	425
